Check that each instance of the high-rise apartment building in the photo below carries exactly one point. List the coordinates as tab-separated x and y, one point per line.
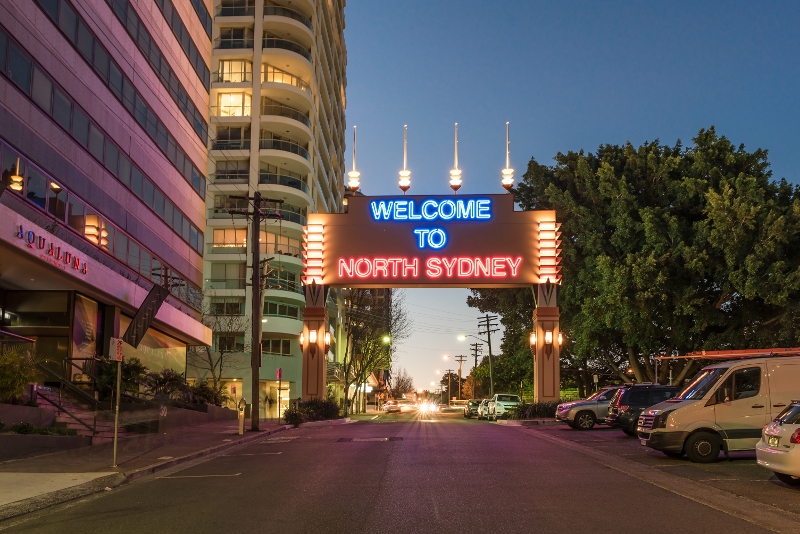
103	132
276	127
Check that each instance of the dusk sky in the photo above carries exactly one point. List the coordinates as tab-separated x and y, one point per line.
567	76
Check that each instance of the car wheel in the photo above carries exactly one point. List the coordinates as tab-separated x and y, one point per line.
788	479
585	421
674	454
703	447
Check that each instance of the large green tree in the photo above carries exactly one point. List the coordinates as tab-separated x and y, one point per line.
666	249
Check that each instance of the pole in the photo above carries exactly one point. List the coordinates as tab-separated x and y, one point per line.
487	323
116	415
460	360
255	358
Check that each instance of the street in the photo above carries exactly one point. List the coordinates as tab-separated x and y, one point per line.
405	472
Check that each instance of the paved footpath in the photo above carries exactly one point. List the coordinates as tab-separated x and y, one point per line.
411	473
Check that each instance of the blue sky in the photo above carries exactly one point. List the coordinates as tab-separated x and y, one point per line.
567	76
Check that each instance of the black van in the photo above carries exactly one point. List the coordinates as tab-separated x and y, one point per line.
631	399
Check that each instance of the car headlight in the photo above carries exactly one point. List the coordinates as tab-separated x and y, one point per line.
660	420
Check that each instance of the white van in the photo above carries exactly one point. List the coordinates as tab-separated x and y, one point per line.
725	407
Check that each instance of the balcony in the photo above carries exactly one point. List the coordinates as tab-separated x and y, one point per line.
242	9
224	283
226	248
233	44
271	74
265	178
225	213
285	111
232	77
277	11
290	216
230	144
242	110
233	177
283	44
284	285
270	249
286	146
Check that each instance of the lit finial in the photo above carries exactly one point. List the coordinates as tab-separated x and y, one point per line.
508	174
405	174
354	184
455	174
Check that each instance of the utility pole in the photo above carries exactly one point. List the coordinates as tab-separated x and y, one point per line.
256	287
487	323
477	348
449	386
460	360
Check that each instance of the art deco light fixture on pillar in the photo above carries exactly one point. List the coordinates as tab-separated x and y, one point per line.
532	341
353	184
508	174
455	174
405	174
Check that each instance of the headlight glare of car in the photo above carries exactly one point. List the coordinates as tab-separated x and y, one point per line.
660	420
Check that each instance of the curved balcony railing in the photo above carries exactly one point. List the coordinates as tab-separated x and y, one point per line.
232	44
223	213
232	77
286	146
283	12
246	9
285	111
284	285
270	74
230	111
286	45
225	248
266	178
280	250
230	177
290	216
230	144
224	283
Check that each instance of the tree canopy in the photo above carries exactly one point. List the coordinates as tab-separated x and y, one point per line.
665	250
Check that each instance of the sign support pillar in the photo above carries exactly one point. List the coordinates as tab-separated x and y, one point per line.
315	326
546	353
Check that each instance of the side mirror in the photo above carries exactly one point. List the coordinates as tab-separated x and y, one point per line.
722	395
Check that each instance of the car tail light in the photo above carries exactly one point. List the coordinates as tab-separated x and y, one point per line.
622	408
795	437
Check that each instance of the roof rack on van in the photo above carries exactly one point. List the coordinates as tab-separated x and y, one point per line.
735	354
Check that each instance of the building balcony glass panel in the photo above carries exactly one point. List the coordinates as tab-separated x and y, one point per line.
230	144
280	250
272	74
225	248
236	8
233	43
224	283
291	216
284	111
241	110
287	146
285	285
278	179
277	11
232	177
271	42
224	213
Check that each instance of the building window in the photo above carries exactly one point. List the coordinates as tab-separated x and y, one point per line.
232	105
227	343
282	347
226	306
234	71
19	67
226	239
37	187
226	276
236	138
279	244
280	309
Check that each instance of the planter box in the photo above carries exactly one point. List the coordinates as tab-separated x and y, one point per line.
10	414
14	446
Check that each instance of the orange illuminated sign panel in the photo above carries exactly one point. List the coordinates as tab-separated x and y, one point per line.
442	241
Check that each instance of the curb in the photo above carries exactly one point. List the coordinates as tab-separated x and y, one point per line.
47	500
528	422
324	423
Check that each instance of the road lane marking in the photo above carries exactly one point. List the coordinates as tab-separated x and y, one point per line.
204	476
375	417
251	454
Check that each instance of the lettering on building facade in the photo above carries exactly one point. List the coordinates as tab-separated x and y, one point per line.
52	254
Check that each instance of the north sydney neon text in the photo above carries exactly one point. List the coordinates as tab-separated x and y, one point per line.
430	210
497	267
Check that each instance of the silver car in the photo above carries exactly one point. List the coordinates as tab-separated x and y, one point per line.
584	414
483	409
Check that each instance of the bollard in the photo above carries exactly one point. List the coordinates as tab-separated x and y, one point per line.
241	406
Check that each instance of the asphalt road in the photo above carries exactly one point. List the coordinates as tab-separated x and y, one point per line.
404	473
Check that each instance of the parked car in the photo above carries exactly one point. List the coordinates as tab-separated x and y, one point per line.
501	404
471	408
406	405
779	448
390	406
631	399
483	409
725	407
457	404
584	414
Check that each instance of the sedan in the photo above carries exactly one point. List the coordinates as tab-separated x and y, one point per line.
779	448
483	409
391	406
471	408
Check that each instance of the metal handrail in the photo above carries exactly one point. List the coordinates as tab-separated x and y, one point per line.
230	144
62	409
232	44
231	111
230	77
283	77
284	285
287	146
283	12
223	213
271	42
70	385
230	177
236	11
268	178
284	111
224	283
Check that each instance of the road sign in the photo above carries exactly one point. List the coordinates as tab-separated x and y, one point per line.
280	373
595	378
117	347
233	390
145	315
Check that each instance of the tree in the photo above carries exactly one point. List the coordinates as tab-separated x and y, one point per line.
402	383
450	382
230	349
666	250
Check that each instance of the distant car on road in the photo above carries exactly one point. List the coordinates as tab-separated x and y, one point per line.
631	400
391	406
501	404
406	405
471	408
779	448
457	405
483	409
584	414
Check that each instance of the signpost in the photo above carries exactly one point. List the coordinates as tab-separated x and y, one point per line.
116	349
280	374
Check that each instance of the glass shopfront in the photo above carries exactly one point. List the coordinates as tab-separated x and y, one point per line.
157	351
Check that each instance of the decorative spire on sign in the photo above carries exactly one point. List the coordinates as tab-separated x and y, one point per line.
405	174
508	174
455	174
354	183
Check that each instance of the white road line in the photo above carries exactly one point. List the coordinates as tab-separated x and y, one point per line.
203	476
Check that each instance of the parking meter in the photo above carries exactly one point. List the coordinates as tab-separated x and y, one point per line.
242	404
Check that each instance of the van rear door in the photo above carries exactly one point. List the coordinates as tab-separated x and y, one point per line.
742	413
784	384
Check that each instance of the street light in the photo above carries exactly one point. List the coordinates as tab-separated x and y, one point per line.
386	339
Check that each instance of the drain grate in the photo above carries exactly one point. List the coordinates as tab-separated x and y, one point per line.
342	440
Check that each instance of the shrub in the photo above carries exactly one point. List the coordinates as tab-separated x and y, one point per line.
168	382
133	374
23	428
30	428
292	417
533	410
18	367
2	425
318	409
202	393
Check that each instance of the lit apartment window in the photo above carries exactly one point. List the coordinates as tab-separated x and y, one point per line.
226	240
226	276
232	105
279	244
276	75
234	71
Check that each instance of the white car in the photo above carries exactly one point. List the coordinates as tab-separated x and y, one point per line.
501	404
779	448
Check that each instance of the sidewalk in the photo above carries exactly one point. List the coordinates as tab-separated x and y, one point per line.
30	484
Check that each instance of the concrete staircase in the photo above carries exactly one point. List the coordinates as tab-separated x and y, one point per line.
102	421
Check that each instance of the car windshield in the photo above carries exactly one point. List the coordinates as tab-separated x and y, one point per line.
702	383
508	398
594	395
789	416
